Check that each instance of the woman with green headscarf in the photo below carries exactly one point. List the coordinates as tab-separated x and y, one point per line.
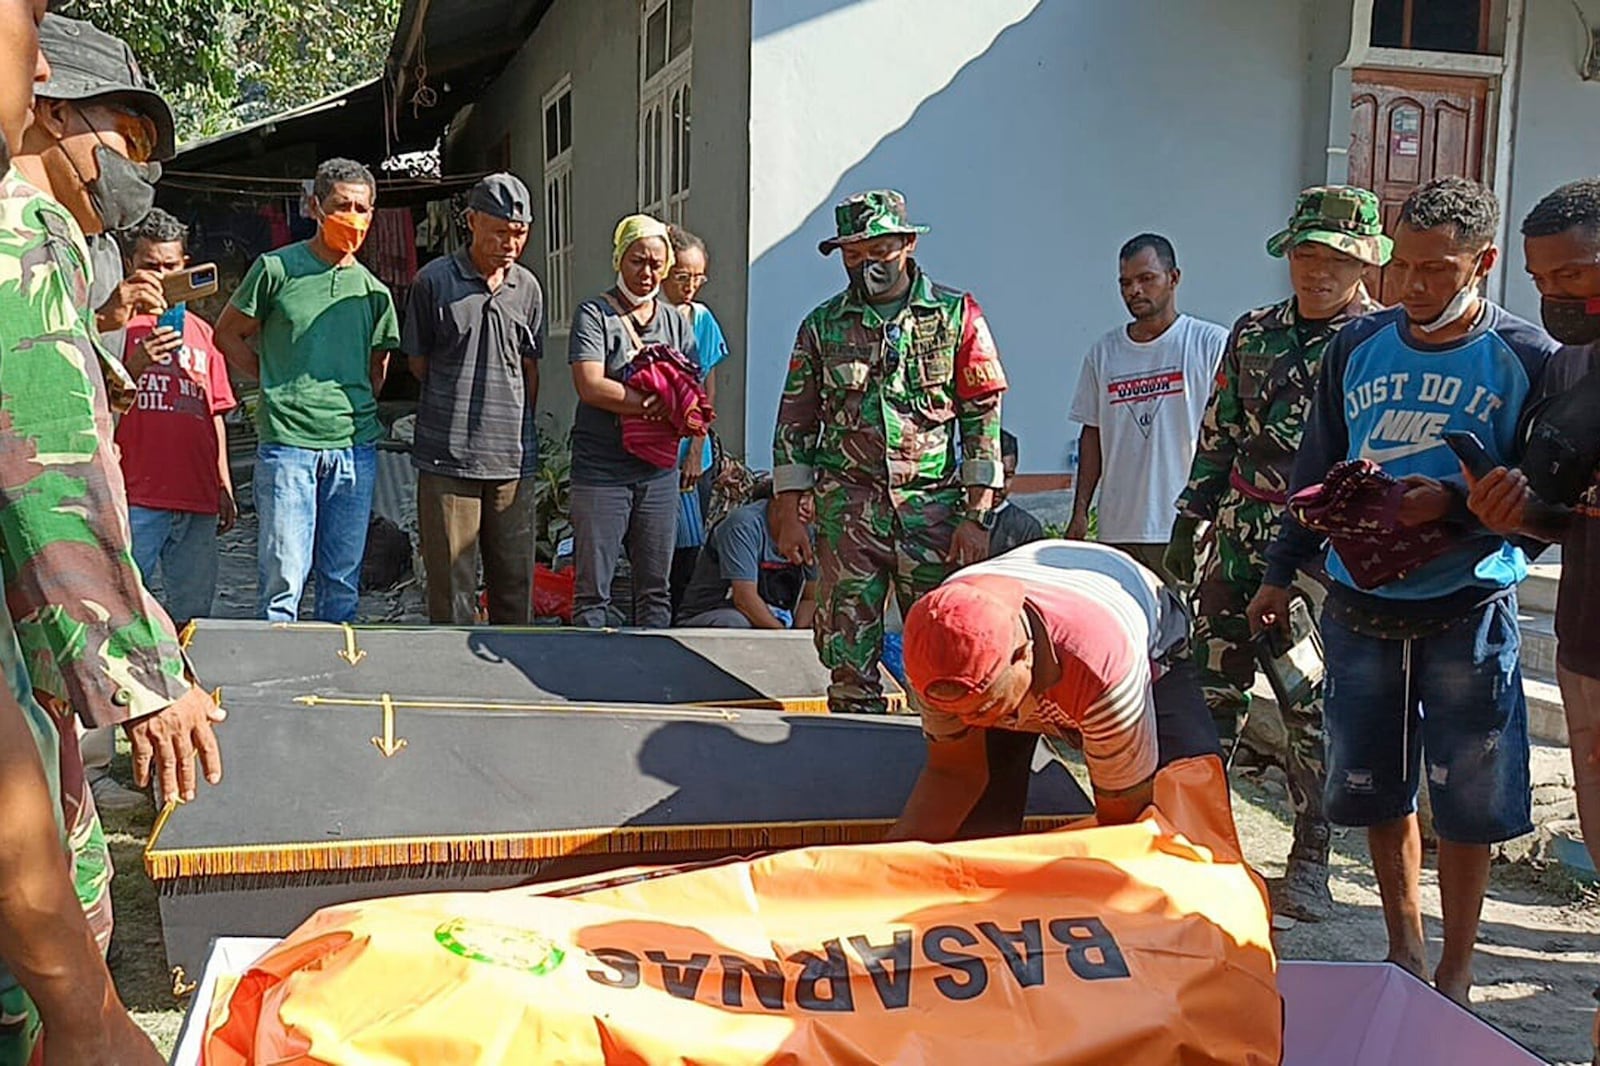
619	501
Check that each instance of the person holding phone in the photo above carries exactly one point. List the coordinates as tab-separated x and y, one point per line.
174	444
1423	673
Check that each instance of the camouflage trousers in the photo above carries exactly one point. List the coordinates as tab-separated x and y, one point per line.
866	546
1229	575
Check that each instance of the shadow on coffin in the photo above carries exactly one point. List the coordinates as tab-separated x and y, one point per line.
719	667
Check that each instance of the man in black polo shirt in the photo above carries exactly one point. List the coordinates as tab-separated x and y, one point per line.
473	336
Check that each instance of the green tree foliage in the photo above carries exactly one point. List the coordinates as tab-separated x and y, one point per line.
224	63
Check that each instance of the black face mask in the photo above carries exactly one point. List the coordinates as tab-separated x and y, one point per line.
125	191
876	278
1575	322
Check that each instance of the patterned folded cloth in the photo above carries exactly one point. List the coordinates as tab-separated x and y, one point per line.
667	373
1358	507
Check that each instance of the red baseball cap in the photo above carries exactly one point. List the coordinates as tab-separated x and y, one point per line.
963	633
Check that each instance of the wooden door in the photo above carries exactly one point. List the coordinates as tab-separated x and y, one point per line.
1407	129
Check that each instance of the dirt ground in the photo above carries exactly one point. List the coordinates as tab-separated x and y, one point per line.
1538	958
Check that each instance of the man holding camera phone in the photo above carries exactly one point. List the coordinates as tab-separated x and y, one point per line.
1423	677
173	444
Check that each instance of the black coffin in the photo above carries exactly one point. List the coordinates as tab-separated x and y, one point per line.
383	795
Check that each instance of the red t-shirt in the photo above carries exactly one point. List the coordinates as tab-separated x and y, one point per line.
168	441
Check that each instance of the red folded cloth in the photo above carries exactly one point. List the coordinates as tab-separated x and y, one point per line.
1358	507
663	371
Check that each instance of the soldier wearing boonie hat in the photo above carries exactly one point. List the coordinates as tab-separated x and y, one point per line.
1239	482
98	121
883	381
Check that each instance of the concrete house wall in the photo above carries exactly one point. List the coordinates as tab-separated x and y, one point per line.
596	43
1033	136
1557	131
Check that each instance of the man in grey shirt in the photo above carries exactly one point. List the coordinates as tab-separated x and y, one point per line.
741	581
473	337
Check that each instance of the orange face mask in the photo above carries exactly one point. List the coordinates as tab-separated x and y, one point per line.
345	231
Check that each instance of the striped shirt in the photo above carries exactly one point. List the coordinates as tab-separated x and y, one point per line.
1107	622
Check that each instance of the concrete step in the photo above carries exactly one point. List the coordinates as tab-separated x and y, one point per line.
1547	720
1538	641
1538	592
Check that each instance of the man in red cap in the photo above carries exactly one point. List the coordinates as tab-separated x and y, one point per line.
1071	641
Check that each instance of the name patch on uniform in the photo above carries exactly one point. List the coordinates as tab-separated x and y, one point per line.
978	370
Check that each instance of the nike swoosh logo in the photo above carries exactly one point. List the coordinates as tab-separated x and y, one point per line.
1385	455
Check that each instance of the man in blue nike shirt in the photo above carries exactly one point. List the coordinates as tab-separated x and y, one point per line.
1423	672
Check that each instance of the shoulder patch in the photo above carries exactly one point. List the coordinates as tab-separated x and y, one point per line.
978	371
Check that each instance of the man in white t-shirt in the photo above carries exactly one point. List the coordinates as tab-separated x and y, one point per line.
1072	642
1141	396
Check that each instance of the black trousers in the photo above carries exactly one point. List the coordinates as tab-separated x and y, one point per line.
1183	729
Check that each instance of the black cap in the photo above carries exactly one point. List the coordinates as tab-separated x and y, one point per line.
503	196
87	63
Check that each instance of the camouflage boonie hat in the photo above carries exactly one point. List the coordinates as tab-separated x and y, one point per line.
1343	217
866	215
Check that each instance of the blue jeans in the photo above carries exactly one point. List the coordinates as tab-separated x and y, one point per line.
183	545
1449	705
314	506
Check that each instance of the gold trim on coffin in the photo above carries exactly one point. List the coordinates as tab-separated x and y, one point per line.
510	847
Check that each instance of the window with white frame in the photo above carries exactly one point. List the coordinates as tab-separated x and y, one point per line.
558	206
665	106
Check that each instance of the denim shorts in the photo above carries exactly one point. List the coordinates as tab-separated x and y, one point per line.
1451	702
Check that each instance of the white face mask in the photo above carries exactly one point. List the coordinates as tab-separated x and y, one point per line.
628	294
1453	311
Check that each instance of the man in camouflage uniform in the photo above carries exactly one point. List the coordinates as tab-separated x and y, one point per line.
1239	482
43	931
93	640
90	635
883	377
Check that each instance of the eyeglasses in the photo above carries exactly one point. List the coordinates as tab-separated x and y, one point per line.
686	279
138	130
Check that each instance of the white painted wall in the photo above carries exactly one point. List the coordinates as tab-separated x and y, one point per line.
596	43
1557	135
1034	136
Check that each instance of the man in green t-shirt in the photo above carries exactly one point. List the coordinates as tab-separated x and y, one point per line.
315	327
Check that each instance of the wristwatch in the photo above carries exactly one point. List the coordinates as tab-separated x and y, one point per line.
983	519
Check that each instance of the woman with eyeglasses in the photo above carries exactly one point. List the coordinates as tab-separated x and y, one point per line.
681	286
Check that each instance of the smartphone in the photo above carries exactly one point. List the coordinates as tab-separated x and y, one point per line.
1293	663
190	284
1470	450
173	318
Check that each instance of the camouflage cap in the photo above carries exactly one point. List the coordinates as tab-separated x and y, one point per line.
1343	217
866	215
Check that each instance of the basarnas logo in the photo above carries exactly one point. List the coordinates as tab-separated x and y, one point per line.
500	945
